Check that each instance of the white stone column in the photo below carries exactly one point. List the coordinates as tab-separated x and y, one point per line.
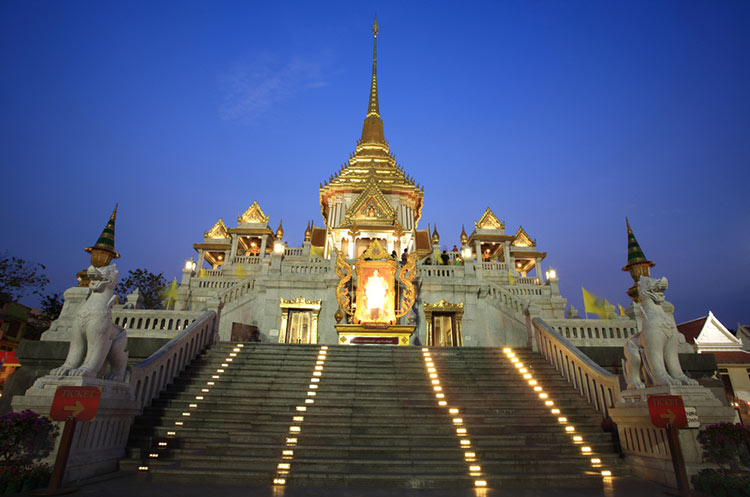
506	255
233	252
201	258
539	273
263	241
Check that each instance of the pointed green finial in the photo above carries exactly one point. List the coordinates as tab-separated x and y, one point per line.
103	250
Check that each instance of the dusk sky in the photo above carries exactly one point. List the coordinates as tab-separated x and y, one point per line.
562	117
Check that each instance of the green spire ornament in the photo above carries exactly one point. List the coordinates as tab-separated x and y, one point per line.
103	250
637	264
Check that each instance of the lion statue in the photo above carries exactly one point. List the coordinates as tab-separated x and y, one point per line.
94	339
654	349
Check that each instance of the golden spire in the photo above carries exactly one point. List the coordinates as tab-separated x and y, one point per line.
279	232
372	130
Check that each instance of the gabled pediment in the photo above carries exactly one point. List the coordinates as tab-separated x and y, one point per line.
219	231
254	214
371	207
522	239
489	221
715	336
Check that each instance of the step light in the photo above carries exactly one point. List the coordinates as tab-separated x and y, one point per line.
521	369
295	429
312	394
436	382
236	349
548	403
283	465
153	455
301	408
470	454
537	388
215	377
442	403
205	390
465	442
461	431
178	423
480	483
298	419
229	359
319	363
234	354
186	414
457	421
578	438
240	345
439	395
199	397
171	433
453	410
318	368
543	395
425	349
315	380
532	382
475	468
291	441
193	406
606	472
527	376
162	444
324	347
279	481
287	452
309	401
313	386
555	411
586	449
224	365
210	383
317	373
596	460
437	388
570	428
219	370
562	419
142	468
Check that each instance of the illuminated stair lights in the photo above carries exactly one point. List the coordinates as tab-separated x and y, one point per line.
563	420
475	470
284	467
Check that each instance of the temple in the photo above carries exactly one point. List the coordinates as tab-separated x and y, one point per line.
288	293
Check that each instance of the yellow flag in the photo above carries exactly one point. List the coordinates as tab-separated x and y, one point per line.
622	311
240	271
511	279
596	305
202	273
170	293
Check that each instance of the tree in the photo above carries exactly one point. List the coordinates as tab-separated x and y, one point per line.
37	324
150	286
19	277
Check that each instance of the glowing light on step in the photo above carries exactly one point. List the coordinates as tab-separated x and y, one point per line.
312	386
430	370
301	408
548	403
562	419
453	410
532	382
298	419
317	373
596	460
318	368
442	403
324	347
315	380
287	452
295	429
291	441
219	370
436	382
178	423
507	349
142	468
319	363
193	406
470	454
171	433
430	364
475	468
215	377
210	383
224	365
284	465
279	481
309	401
578	438
543	395
480	483
457	421
461	431
162	444
465	442
514	359
555	411
433	375
437	389
240	345
570	429
186	414
234	354
205	390
606	472
312	394
537	388
236	349
199	397
439	395
153	455
586	449
425	349
526	376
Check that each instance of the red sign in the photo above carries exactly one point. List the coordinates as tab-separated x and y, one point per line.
666	409
80	403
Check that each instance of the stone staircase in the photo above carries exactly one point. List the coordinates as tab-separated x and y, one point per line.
374	421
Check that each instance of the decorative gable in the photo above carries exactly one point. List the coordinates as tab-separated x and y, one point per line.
715	336
371	207
253	214
522	239
489	221
219	231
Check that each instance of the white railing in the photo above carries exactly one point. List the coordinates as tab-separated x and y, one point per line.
148	378
436	271
153	322
293	251
311	267
521	290
246	259
595	332
237	291
504	297
208	273
495	266
215	283
525	280
600	387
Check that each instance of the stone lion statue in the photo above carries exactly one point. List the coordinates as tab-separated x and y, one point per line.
654	349
94	339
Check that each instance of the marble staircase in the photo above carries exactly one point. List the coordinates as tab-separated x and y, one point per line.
246	414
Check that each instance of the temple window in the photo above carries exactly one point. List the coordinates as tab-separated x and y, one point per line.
299	321
444	324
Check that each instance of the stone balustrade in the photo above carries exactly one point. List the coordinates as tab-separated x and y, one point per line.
246	259
153	322
293	251
526	280
428	271
320	266
600	387
209	273
151	376
495	266
595	332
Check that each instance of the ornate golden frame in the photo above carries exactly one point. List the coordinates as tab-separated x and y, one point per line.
446	307
300	303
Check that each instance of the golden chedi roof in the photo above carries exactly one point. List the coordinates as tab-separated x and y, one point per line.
372	157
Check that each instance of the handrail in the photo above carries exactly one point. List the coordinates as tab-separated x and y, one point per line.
600	387
149	377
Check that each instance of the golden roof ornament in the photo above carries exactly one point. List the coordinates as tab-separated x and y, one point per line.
637	264
280	231
103	251
308	233
464	237
435	236
372	130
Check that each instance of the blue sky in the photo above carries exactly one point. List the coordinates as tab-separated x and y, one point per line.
563	117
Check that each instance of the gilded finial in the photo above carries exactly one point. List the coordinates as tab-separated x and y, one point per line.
280	231
375	26
435	236
464	238
103	251
308	233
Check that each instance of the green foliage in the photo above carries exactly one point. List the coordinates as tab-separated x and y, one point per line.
718	484
25	436
19	277
51	305
151	287
726	444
